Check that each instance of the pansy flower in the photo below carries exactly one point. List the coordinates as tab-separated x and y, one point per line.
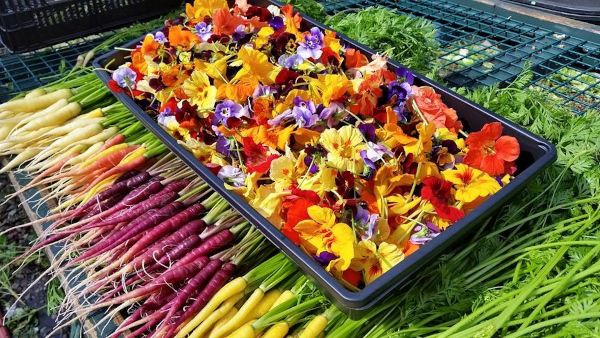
490	151
366	222
124	77
229	109
232	175
374	153
204	31
311	46
423	234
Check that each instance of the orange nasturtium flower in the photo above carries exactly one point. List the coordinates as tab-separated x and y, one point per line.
182	38
254	63
321	233
490	151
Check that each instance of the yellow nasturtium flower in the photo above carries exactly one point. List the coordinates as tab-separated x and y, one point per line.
321	233
201	93
343	148
471	183
202	8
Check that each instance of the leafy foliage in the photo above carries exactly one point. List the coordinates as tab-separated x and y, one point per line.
407	39
309	7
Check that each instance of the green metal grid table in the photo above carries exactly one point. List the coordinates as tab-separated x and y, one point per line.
478	49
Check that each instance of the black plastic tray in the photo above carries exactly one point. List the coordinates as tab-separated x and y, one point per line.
536	154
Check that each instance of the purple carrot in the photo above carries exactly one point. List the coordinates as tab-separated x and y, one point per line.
215	284
127	175
146	221
197	282
155	201
172	276
159	249
151	304
117	188
207	247
104	205
175	253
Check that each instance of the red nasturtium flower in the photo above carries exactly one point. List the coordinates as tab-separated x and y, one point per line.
433	109
257	159
490	151
438	191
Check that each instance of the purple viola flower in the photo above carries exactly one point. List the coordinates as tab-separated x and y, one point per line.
312	44
223	146
366	222
401	90
308	161
276	23
324	257
328	113
400	111
239	33
402	72
228	109
368	131
374	153
290	61
124	77
232	175
204	31
160	37
424	234
303	112
262	90
165	117
433	228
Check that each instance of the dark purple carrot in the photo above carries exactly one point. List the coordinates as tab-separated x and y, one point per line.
124	186
103	205
127	176
126	215
210	245
146	221
215	284
172	276
196	283
175	253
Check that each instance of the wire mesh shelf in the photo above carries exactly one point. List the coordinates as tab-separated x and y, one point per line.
480	49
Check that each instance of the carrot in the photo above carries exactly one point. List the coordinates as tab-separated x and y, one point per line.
144	222
244	331
217	315
315	327
210	245
208	293
172	276
123	167
278	330
119	138
127	215
27	105
105	152
238	320
151	303
175	253
26	155
55	118
198	281
110	160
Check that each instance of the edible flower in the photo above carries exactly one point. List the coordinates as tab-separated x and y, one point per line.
490	151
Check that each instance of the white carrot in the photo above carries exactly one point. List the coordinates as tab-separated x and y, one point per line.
44	112
30	105
27	154
86	154
53	119
35	93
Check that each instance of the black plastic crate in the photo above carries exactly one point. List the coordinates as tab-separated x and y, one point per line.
536	154
27	25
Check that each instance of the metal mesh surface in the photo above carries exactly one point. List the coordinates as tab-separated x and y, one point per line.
480	49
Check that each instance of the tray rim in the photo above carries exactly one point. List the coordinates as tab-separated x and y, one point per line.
353	303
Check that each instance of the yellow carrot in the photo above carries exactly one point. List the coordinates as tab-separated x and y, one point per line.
230	314
229	290
86	154
265	305
5	130
315	327
99	187
245	331
278	330
35	93
28	105
238	319
285	295
96	113
216	315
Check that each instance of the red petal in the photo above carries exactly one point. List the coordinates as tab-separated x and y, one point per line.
492	165
352	277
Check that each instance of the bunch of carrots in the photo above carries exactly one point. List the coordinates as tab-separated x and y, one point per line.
142	235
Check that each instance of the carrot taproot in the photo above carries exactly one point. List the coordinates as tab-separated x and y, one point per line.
56	167
244	331
216	315
110	160
265	305
53	119
149	219
175	253
215	293
35	93
207	247
26	155
172	276
224	319
119	138
107	151
314	327
26	105
279	330
238	320
195	283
